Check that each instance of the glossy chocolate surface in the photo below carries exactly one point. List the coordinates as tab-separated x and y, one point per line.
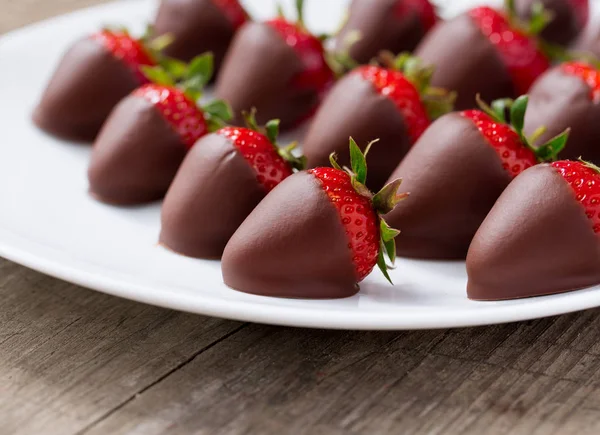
197	26
558	100
88	83
136	155
380	29
354	108
292	245
214	191
565	25
258	72
465	62
454	176
536	240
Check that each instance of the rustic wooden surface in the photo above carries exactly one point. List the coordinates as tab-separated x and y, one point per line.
73	361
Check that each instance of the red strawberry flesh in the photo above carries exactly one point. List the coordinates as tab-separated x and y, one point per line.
178	109
423	8
316	75
519	52
234	12
515	156
393	85
357	216
587	73
130	51
271	169
585	183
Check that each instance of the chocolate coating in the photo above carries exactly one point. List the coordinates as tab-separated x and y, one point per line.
198	26
380	29
557	101
214	191
136	155
589	40
564	27
536	240
454	177
86	86
354	108
292	245
257	72
466	62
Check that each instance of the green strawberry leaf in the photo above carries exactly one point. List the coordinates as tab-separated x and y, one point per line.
218	109
174	67
540	18
382	264
500	107
358	162
550	150
533	138
272	129
495	114
298	163
300	12
387	233
250	119
158	75
517	113
333	162
387	198
200	71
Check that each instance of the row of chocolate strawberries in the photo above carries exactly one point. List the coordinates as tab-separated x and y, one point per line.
391	83
98	71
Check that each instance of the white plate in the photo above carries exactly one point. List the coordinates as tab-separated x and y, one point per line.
49	223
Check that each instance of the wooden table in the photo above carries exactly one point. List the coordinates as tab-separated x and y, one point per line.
73	361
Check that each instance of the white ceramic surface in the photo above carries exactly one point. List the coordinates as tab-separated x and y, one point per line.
49	223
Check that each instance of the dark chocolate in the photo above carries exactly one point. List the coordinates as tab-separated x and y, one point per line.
380	29
466	62
86	86
589	40
292	245
536	240
558	100
354	108
214	191
136	155
565	25
257	72
454	176
197	26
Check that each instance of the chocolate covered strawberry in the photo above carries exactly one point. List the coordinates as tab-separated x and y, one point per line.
568	95
198	26
222	179
485	51
457	170
316	235
393	103
148	134
93	76
277	66
541	237
567	18
393	25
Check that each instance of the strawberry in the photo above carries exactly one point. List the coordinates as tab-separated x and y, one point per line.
541	236
277	66
568	95
394	25
316	235
93	76
199	26
567	17
236	163
457	170
146	137
393	102
504	56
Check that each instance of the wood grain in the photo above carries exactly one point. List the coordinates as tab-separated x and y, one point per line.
73	361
